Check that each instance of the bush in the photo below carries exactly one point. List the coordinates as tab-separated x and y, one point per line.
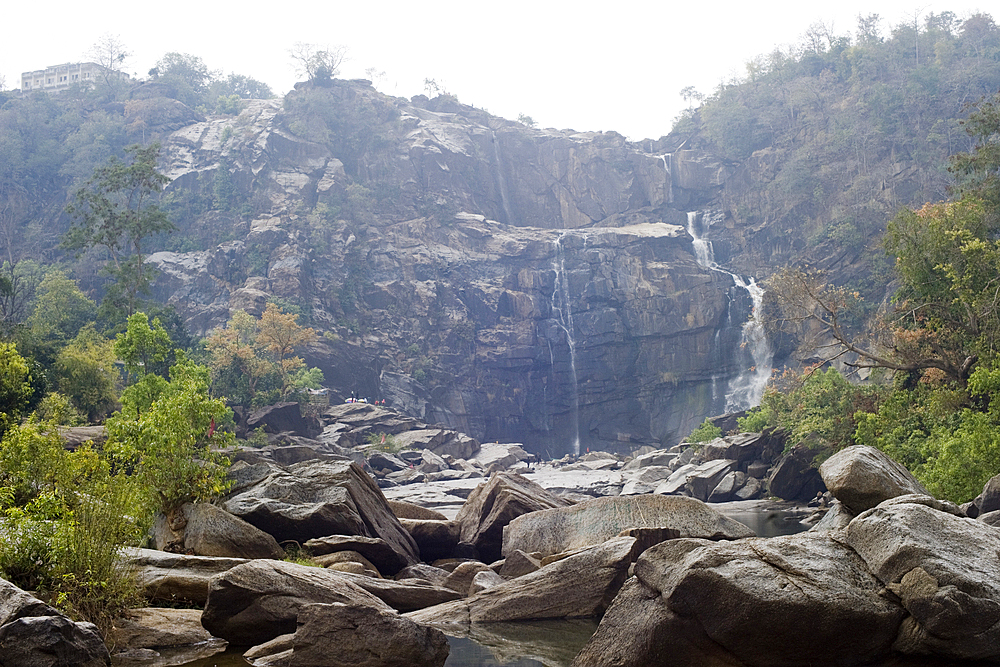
704	433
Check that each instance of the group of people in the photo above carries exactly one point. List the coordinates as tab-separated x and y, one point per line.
355	399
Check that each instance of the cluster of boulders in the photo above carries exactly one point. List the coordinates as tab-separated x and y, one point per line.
893	573
307	555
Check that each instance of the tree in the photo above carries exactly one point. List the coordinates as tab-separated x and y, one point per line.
85	372
116	210
280	335
111	53
244	87
252	362
317	62
187	76
60	311
15	386
169	436
142	347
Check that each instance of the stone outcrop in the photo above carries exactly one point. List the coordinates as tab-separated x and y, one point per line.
349	635
320	498
261	599
494	504
500	250
595	521
176	578
861	477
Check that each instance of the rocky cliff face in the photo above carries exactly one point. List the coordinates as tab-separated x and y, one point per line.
518	284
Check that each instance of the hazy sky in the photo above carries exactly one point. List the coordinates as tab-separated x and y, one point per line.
617	65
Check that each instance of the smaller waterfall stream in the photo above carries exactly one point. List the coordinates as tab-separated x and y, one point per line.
561	304
501	181
746	389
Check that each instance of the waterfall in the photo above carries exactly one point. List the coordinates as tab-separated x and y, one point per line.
501	181
668	165
561	304
746	389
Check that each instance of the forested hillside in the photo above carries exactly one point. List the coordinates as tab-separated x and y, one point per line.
829	139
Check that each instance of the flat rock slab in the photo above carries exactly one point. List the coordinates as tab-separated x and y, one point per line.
595	521
177	577
580	585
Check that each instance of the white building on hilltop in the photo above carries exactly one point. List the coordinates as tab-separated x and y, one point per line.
61	77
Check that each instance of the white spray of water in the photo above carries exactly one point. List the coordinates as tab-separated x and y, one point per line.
561	305
746	389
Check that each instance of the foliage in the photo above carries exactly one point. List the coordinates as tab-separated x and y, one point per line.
816	408
317	63
15	386
85	372
166	433
115	211
186	76
56	408
60	311
64	518
143	347
704	433
253	361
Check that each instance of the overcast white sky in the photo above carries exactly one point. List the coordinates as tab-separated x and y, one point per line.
586	65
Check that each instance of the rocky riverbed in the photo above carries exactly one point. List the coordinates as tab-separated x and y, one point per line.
325	541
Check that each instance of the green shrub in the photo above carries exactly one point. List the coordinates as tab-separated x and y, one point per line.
704	433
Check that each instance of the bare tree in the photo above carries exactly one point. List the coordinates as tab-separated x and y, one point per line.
826	319
110	52
317	62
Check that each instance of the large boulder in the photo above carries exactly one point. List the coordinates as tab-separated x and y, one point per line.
494	504
594	521
51	641
349	635
783	601
580	585
944	567
33	634
202	529
861	477
261	599
320	498
281	418
794	477
176	578
405	594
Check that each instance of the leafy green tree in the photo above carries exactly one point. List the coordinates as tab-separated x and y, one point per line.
15	386
704	433
116	211
85	372
60	311
244	87
143	347
187	77
167	432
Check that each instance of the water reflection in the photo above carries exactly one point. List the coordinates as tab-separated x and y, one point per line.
523	644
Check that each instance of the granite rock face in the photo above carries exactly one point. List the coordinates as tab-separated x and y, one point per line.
861	477
540	281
